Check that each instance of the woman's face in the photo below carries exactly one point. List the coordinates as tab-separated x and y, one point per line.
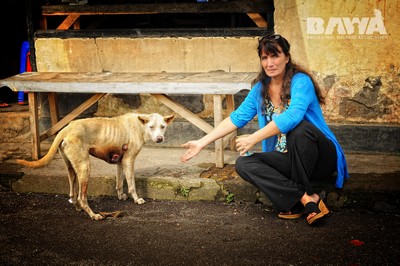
274	64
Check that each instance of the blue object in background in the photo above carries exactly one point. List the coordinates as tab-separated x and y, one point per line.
23	68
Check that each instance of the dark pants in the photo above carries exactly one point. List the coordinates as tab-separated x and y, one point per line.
285	177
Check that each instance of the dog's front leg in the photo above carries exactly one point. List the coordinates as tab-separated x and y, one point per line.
120	183
130	179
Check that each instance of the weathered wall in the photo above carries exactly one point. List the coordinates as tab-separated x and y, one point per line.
147	54
353	47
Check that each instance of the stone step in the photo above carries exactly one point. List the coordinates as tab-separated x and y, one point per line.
160	175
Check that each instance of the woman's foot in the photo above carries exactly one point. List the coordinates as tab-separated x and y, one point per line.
315	208
295	213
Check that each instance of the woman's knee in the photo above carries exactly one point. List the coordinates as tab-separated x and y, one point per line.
240	164
245	167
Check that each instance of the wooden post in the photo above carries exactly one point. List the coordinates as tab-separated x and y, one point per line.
34	119
218	117
230	107
53	107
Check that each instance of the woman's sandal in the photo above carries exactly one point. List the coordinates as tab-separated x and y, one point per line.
295	213
289	215
320	211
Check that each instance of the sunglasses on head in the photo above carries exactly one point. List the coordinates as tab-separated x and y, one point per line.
275	37
270	37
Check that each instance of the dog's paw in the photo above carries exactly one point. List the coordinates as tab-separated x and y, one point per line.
97	217
140	201
123	197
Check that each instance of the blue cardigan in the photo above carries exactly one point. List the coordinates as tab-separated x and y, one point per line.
303	105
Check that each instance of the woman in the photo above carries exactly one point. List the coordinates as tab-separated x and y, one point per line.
297	144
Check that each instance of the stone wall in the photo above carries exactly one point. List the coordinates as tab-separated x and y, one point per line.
352	46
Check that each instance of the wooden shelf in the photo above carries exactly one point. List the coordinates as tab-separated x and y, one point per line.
74	12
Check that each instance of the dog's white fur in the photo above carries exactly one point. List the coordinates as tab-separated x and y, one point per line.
116	140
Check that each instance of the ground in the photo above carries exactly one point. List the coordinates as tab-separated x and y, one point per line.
44	229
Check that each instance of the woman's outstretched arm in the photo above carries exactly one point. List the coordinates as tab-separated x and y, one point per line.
195	146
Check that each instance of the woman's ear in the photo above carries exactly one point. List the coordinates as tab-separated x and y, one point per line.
287	58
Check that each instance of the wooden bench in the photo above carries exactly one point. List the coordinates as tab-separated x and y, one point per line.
159	85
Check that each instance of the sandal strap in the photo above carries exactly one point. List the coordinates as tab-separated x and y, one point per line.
311	207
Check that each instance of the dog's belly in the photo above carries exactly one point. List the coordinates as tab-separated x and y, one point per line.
110	154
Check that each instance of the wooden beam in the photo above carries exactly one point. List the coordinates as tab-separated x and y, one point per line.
185	113
258	19
52	97
68	22
68	118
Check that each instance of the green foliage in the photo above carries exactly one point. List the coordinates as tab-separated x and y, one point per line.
229	197
184	191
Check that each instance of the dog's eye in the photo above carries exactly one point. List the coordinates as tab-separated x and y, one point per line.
162	127
152	127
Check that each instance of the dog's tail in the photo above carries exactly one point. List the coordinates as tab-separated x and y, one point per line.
45	160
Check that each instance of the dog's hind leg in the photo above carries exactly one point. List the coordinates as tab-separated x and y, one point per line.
73	184
119	180
79	159
130	179
83	172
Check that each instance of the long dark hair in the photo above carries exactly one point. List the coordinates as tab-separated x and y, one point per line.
270	44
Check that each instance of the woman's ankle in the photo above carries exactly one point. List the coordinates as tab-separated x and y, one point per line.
308	198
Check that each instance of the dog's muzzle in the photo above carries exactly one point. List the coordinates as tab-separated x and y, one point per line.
159	139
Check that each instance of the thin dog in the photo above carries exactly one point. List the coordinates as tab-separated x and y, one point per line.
116	140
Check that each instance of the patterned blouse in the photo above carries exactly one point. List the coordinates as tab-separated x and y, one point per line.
270	112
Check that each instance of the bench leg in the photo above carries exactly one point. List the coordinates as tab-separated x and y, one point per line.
34	117
218	117
230	107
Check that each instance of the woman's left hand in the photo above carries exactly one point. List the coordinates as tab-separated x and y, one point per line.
244	144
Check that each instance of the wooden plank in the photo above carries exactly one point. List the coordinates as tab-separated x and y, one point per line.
33	110
232	6
68	118
217	82
185	113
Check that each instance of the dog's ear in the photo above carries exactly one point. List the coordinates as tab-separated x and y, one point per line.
168	119
144	119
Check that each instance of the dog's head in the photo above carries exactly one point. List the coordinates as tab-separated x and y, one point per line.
155	126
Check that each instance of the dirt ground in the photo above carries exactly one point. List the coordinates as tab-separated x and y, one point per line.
44	229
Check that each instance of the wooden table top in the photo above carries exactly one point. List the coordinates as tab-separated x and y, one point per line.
216	82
